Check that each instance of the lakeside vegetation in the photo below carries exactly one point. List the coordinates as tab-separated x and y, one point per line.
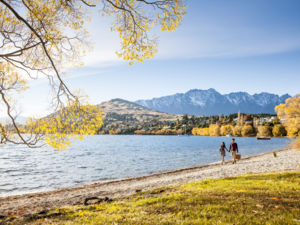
246	125
271	198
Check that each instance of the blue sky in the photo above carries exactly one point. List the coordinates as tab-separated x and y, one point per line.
232	45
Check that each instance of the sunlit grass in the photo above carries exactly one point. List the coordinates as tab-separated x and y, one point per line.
251	199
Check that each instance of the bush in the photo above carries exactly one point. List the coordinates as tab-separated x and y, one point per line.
248	131
279	130
179	131
166	132
196	131
205	131
264	131
214	130
200	131
140	132
237	131
226	129
114	131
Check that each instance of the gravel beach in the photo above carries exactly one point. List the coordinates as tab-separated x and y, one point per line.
19	205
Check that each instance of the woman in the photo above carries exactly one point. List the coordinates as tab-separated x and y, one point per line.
222	151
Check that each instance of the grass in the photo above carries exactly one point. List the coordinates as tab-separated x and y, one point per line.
250	199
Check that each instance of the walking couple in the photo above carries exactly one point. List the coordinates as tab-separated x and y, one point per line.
233	148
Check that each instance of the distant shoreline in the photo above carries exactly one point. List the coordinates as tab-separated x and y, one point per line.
186	135
285	160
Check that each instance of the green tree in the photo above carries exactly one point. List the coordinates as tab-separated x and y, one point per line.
185	119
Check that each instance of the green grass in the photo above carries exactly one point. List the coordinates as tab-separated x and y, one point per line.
251	199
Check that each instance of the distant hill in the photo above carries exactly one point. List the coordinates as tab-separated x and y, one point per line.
210	102
119	110
19	119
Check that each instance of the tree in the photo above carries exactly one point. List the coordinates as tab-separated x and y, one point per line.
185	119
279	130
264	131
200	131
226	129
237	131
196	131
289	114
214	130
41	38
248	131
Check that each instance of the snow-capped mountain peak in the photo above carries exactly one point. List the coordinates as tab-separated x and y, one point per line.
211	102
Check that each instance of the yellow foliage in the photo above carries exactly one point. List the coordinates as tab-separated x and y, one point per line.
114	131
196	131
214	130
134	27
72	122
289	114
200	131
41	38
248	131
166	132
205	131
179	131
264	131
227	129
279	131
140	132
237	131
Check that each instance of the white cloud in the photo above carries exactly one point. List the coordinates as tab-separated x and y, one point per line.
197	38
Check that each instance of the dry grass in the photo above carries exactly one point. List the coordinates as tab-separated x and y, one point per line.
251	199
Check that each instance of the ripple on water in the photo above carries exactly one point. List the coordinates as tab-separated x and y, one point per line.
105	158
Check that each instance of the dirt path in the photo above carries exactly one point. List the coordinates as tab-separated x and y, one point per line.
33	203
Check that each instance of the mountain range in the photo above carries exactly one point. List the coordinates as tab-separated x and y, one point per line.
210	102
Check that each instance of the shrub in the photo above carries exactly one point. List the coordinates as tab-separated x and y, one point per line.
237	131
279	130
140	132
248	131
214	130
165	132
264	131
205	131
179	131
201	131
196	131
226	129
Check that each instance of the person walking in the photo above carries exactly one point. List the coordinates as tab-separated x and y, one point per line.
234	149
222	151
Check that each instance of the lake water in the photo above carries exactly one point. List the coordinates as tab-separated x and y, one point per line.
109	157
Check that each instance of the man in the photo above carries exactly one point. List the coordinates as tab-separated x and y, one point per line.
234	148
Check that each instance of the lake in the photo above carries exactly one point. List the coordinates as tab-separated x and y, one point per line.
108	157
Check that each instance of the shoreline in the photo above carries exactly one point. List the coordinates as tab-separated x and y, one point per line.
150	174
287	159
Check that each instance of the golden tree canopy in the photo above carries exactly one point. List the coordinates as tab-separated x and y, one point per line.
40	38
289	114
